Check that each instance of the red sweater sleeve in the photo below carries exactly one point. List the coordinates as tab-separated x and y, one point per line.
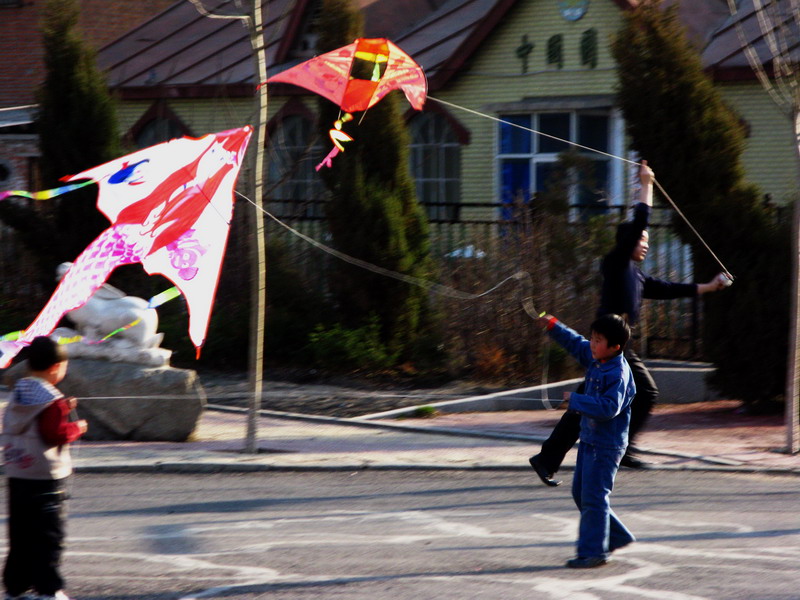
54	426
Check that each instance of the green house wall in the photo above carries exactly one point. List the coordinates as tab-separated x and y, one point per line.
200	116
495	75
770	156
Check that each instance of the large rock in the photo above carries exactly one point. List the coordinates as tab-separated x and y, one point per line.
123	401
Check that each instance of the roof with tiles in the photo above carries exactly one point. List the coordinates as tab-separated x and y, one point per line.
183	50
181	53
768	31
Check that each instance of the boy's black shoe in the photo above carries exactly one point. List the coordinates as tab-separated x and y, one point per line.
547	478
630	461
586	563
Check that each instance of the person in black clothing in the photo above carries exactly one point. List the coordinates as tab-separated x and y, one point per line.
624	286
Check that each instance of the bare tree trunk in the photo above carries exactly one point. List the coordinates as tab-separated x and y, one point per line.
258	291
793	369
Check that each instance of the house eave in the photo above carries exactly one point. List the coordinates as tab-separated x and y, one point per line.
186	92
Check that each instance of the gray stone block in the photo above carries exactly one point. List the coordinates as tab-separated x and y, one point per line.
124	401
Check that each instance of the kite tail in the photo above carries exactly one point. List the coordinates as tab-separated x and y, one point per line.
89	271
326	162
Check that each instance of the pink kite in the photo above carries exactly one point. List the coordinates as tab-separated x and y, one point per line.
355	77
170	207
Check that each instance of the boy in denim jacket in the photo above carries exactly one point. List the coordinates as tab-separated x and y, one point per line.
605	409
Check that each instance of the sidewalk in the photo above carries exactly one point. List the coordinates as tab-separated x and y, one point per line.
703	436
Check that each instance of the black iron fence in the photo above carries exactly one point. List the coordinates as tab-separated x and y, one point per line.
492	247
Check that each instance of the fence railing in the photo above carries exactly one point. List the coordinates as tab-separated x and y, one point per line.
667	328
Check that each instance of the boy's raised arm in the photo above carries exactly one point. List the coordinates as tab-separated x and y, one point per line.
571	341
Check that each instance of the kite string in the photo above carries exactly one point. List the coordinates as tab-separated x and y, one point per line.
523	277
529	129
686	220
596	151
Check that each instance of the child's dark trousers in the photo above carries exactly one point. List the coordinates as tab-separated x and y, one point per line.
35	536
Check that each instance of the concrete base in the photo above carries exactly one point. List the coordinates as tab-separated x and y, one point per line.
682	382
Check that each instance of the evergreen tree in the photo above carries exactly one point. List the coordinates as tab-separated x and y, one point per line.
77	129
677	121
76	123
374	214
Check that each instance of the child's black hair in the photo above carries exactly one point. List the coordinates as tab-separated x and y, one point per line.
43	353
614	329
625	230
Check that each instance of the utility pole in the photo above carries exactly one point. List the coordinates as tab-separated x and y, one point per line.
254	21
792	415
778	22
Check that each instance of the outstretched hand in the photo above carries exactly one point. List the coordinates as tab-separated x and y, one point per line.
544	320
721	281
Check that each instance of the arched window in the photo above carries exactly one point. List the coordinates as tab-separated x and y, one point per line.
158	124
555	51
436	165
6	171
157	130
294	186
589	48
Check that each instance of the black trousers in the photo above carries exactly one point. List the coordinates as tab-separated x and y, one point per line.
35	536
568	429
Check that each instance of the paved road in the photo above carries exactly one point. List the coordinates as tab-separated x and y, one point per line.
421	535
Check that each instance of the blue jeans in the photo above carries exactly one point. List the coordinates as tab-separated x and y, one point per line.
600	531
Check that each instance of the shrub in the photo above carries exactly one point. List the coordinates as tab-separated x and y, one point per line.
340	348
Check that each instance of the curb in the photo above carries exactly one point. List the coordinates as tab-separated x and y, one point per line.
211	468
232	466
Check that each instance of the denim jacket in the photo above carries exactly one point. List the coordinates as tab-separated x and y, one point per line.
605	405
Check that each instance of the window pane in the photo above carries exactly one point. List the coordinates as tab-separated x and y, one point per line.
435	164
452	162
594	193
593	131
451	192
514	140
544	171
295	182
556	124
430	189
515	180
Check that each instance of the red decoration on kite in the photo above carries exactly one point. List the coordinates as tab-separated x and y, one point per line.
357	76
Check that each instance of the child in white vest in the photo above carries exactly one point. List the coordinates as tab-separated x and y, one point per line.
37	433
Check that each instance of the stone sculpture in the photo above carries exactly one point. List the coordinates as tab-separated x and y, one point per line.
109	310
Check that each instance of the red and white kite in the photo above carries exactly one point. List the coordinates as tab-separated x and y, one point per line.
170	208
357	76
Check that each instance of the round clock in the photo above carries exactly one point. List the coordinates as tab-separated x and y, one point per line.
572	10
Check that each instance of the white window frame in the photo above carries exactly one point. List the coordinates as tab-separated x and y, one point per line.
615	194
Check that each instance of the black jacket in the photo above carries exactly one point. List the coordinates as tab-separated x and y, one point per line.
624	284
